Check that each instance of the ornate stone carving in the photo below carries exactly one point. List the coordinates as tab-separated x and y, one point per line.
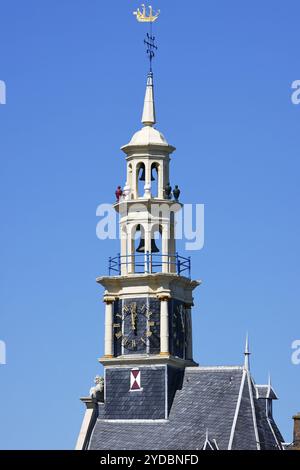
97	391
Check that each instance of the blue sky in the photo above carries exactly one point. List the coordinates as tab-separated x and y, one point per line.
75	73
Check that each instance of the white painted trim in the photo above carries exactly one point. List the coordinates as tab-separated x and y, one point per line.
129	366
166	392
214	368
253	410
271	427
134	421
88	417
206	443
237	410
214	440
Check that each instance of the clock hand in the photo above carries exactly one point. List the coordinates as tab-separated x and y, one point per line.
133	320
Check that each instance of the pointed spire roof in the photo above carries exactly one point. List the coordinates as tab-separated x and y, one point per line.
269	381
148	135
247	354
149	117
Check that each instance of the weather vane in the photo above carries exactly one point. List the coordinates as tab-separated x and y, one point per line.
142	17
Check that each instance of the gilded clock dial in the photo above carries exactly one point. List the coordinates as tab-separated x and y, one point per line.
134	327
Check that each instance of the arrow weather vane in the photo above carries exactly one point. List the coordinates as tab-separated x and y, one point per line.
149	42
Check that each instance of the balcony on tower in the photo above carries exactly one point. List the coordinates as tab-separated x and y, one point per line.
150	263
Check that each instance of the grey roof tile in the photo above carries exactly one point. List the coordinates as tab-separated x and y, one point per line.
207	401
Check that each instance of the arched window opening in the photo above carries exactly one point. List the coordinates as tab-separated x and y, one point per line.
154	179
141	177
156	249
139	249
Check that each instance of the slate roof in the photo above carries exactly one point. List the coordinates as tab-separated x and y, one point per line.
265	391
217	401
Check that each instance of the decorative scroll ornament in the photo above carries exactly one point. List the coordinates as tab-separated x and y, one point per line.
142	17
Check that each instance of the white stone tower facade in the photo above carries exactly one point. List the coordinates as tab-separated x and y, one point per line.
148	294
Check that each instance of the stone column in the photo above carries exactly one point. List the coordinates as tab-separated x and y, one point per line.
131	250
124	258
108	340
164	325
165	249
160	181
147	186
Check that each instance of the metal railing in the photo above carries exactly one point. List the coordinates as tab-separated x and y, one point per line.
143	263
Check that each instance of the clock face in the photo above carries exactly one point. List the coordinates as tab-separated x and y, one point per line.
134	327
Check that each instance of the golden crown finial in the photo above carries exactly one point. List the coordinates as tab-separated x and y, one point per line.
142	17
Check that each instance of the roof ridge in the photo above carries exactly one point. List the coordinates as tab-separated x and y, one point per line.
195	369
237	410
251	386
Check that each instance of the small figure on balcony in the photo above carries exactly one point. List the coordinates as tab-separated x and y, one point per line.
176	193
118	193
168	191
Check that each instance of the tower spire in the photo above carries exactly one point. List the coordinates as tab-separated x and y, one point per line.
247	354
149	116
269	385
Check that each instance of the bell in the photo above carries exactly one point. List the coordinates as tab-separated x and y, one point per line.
142	177
154	248
143	174
141	247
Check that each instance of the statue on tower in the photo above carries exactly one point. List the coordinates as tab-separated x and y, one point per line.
118	193
168	191
176	192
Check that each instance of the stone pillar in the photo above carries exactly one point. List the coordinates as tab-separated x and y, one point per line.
165	249
124	258
164	325
147	262
147	186
296	443
131	250
160	181
108	340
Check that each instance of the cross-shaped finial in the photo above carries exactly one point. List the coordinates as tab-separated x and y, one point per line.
151	48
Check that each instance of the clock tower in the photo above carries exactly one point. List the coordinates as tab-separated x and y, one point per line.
149	292
153	395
